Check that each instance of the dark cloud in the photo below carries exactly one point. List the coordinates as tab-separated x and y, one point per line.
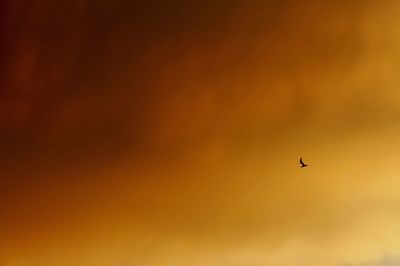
86	73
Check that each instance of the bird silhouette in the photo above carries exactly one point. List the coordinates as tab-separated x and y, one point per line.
302	163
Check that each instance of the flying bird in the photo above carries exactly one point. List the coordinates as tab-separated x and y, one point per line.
302	163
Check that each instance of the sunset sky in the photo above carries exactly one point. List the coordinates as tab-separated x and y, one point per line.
168	133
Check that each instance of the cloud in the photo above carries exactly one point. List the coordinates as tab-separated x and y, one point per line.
185	121
385	260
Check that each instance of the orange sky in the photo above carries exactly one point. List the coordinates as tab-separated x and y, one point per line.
161	133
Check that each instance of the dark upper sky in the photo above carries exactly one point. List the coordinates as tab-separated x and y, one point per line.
84	77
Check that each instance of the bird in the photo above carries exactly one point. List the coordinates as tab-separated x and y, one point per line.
302	163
